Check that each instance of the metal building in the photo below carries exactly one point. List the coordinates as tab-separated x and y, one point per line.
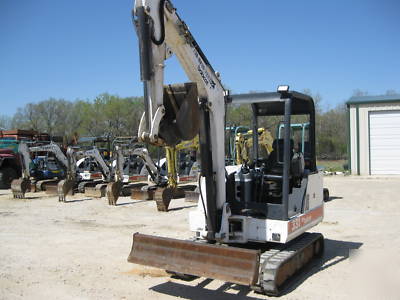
374	139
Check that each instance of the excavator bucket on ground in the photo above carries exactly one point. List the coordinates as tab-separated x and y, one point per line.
65	187
19	187
230	264
113	191
163	197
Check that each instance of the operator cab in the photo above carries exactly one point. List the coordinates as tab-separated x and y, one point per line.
274	186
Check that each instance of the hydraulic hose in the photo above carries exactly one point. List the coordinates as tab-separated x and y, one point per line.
161	14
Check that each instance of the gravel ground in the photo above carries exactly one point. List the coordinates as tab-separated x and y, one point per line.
78	250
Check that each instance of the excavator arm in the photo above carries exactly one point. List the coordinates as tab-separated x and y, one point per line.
66	185
52	148
114	188
179	112
151	167
23	151
95	154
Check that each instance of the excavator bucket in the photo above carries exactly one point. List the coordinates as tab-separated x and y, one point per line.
163	197
230	264
19	187
182	115
113	191
65	187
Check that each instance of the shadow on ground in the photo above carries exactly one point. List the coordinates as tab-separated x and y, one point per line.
333	198
131	202
335	252
182	207
78	200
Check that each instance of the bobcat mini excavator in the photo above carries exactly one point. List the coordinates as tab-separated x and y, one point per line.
251	220
20	186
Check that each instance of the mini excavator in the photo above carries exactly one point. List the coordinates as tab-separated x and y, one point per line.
21	185
251	220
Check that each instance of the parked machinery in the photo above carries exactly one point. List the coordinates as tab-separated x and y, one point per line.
183	172
68	184
96	188
23	184
10	164
132	165
251	220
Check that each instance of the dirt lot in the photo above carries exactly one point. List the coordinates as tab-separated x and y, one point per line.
78	250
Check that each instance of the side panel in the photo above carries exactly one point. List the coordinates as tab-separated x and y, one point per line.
314	193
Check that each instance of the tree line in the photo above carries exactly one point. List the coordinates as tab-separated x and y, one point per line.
111	115
106	115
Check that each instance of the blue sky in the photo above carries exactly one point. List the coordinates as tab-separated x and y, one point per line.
79	49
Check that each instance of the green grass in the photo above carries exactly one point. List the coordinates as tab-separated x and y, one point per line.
332	165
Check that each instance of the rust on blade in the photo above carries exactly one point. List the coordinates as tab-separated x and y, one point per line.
230	264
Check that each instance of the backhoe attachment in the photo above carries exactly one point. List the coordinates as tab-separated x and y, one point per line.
65	187
113	191
182	115
20	186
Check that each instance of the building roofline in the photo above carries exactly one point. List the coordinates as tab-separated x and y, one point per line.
373	99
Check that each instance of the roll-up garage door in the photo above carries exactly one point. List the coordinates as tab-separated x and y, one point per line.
385	142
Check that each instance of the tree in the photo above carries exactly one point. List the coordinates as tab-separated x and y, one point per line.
5	122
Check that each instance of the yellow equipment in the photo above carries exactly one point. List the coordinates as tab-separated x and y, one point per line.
244	144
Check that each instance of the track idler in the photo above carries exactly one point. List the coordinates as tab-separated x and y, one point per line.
64	187
113	191
19	187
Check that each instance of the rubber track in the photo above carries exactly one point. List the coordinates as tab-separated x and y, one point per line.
272	262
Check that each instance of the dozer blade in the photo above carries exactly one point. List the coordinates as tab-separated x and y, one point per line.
43	185
19	187
65	187
139	194
230	264
113	191
98	191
